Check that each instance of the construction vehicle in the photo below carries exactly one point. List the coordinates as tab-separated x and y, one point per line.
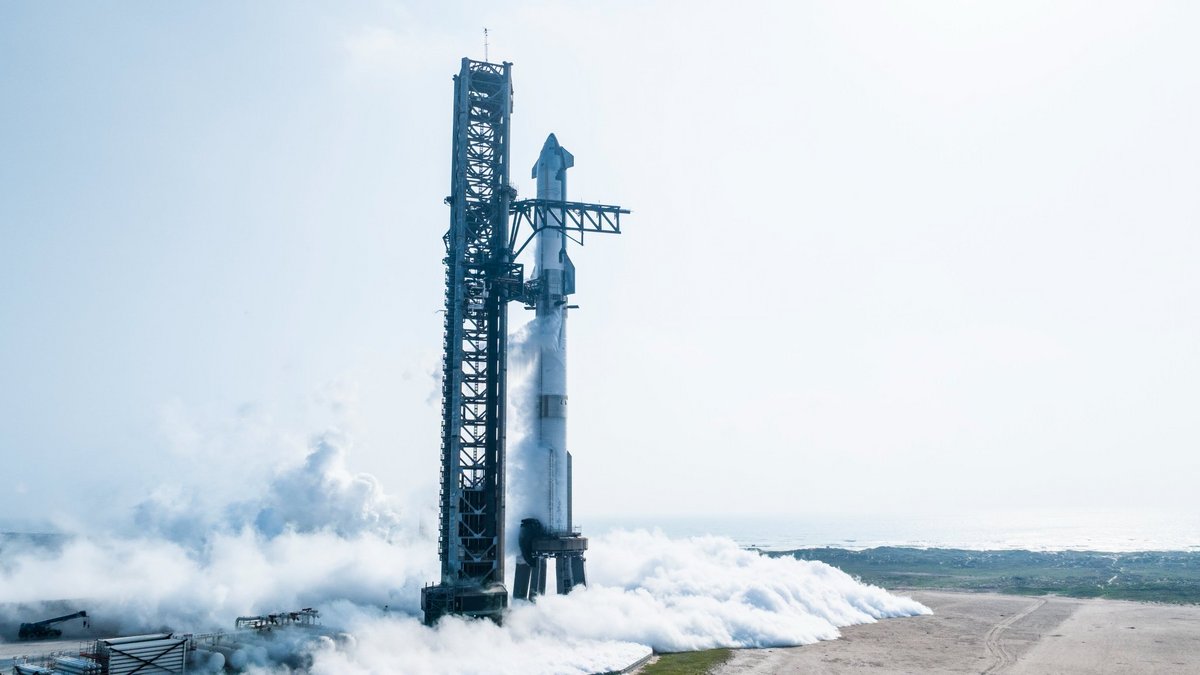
43	630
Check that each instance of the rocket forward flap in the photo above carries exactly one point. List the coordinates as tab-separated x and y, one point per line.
550	150
568	160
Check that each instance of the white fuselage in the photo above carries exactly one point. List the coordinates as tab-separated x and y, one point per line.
550	458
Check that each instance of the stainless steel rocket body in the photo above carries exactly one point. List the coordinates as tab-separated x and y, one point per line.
555	276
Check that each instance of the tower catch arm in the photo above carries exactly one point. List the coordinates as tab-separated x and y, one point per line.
568	217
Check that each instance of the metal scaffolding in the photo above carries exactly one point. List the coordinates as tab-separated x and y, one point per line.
471	539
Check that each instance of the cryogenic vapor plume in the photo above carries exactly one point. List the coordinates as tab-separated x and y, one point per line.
320	535
348	504
317	532
526	482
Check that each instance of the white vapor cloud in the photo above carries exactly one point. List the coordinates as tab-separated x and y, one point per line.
320	535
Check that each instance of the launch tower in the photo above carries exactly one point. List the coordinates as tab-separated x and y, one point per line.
482	277
478	259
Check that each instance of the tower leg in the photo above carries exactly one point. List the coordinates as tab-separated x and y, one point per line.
537	579
578	575
562	575
569	572
541	577
521	582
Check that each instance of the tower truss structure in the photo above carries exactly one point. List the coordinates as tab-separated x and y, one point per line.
471	523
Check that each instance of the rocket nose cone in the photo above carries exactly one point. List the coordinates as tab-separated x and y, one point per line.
554	154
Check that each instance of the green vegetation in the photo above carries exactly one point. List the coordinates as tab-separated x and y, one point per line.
1147	576
688	663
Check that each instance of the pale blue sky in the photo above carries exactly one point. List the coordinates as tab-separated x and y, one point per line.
933	257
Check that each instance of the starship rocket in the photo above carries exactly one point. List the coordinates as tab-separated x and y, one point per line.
546	529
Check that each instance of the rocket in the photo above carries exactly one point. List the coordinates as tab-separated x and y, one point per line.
556	277
546	529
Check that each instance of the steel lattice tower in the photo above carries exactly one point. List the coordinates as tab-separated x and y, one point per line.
471	538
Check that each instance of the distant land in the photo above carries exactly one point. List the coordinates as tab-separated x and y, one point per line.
1148	576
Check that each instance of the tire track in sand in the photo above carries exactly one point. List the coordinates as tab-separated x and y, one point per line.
1001	657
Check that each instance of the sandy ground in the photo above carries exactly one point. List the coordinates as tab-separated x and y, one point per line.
990	633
